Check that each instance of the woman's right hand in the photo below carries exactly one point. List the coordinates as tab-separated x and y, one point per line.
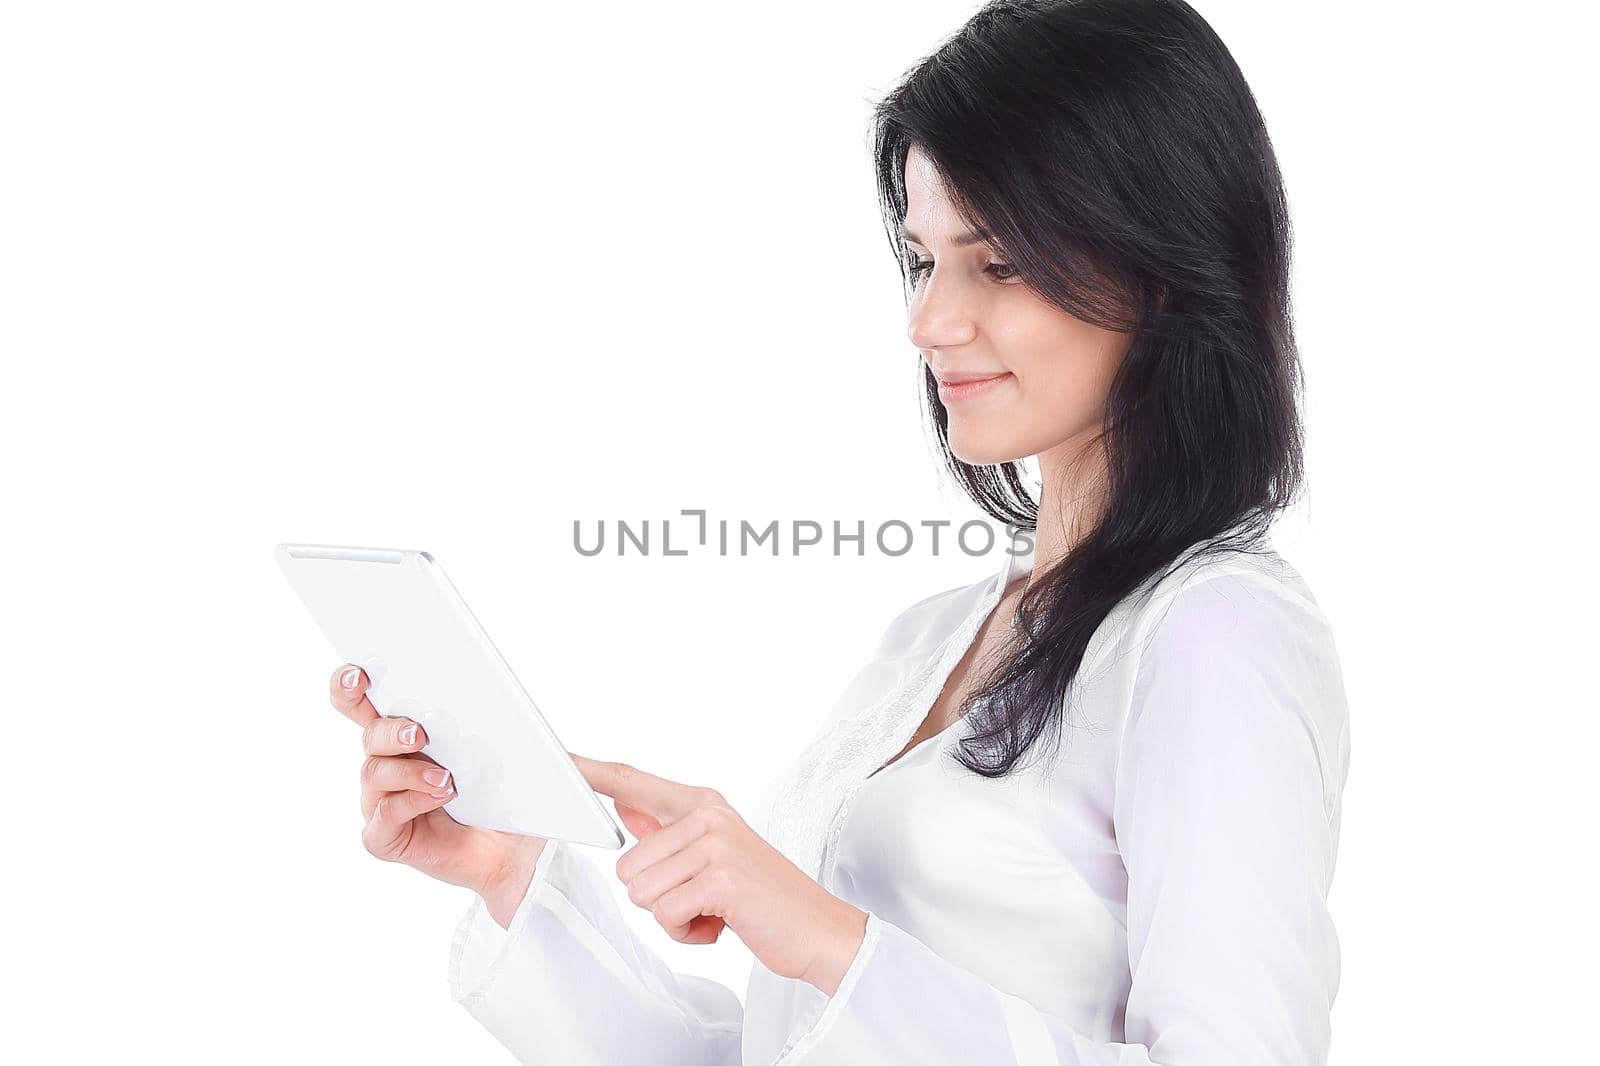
402	795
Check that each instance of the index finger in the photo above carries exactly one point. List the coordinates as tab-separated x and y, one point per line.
665	801
347	690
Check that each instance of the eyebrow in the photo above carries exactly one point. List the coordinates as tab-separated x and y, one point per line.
970	237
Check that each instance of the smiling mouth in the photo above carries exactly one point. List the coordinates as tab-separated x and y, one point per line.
957	390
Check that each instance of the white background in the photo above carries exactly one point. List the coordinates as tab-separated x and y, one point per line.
452	276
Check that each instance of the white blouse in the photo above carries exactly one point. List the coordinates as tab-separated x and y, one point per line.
1155	895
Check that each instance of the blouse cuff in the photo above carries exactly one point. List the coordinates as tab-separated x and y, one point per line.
835	1005
480	945
901	1002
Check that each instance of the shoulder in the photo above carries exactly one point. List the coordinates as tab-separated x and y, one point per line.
1236	654
1209	578
928	621
1235	600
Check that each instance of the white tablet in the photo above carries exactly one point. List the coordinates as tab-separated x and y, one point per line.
395	614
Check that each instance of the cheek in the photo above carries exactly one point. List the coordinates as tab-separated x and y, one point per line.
1072	385
1063	369
1064	374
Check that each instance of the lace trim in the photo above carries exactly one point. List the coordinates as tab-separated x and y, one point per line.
809	807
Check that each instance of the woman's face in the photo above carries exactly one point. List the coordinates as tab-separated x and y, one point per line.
1017	375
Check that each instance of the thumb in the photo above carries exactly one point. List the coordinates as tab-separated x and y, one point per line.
639	823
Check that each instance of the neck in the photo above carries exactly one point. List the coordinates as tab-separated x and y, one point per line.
1071	495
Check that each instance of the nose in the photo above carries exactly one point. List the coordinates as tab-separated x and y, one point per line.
940	317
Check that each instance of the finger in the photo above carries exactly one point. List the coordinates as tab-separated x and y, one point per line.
639	823
389	822
395	809
347	690
397	773
665	801
392	736
678	908
654	881
703	930
665	842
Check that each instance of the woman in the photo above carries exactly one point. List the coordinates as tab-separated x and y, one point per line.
1095	239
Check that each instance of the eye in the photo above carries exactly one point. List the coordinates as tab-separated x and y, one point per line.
917	267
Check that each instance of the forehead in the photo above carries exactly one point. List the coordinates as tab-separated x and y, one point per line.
931	213
927	200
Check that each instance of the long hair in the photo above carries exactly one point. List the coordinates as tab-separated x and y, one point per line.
1116	157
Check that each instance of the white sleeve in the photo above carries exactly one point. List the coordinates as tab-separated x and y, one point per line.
1232	760
570	981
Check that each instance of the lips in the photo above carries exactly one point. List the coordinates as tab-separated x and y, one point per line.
958	385
966	377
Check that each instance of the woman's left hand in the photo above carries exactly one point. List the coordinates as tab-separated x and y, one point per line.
698	866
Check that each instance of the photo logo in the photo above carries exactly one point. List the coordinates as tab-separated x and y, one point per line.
694	533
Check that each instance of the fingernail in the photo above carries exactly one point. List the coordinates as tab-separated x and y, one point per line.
349	678
408	735
436	777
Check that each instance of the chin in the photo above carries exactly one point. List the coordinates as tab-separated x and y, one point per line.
984	449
